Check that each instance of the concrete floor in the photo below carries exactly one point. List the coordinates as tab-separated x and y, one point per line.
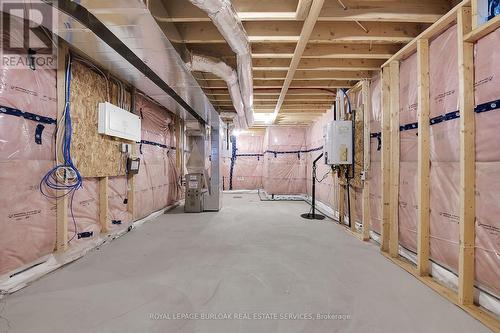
251	258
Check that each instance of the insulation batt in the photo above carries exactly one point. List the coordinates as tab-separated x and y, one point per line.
248	170
408	177
487	77
444	150
285	173
27	218
375	174
157	181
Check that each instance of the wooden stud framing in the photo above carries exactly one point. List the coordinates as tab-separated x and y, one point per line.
483	30
103	204
131	188
341	204
467	159
439	26
394	175
62	202
423	158
385	159
366	159
352	211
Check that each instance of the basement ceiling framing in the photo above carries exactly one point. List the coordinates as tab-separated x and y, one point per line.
348	41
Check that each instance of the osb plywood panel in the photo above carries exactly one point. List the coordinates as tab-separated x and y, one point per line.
358	144
94	154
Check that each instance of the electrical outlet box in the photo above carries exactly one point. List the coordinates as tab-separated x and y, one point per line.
133	164
338	143
114	121
126	148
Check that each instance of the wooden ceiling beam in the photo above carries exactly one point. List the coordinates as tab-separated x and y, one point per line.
313	75
340	64
305	84
301	91
353	51
424	11
289	31
295	105
319	64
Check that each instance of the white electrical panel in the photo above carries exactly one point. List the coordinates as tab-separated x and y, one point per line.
115	121
338	143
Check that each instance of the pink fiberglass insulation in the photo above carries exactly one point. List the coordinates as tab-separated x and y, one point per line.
375	154
226	166
327	189
247	170
27	218
408	181
117	201
85	208
285	173
444	150
157	181
487	78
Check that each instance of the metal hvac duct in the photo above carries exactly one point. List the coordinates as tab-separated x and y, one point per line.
222	70
225	18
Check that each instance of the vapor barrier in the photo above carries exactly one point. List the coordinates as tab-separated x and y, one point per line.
408	155
444	149
285	160
28	112
487	79
157	184
27	218
327	186
274	161
248	162
375	172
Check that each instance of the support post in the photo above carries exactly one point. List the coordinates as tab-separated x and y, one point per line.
366	159
131	188
385	158
62	202
103	204
423	194
394	176
467	159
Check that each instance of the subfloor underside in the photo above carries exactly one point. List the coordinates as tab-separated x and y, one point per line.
256	261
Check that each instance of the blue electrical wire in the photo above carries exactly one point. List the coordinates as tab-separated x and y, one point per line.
49	181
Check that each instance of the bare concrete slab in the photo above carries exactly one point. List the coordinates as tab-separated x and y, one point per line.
257	263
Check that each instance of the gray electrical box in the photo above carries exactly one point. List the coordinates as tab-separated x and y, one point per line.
194	193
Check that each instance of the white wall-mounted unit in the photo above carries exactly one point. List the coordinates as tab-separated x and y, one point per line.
338	143
117	122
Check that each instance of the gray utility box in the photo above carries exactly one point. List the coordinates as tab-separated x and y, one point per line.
194	193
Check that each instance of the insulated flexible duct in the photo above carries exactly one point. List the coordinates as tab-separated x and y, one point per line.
222	70
224	17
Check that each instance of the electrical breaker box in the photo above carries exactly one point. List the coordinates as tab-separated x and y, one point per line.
338	143
117	122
